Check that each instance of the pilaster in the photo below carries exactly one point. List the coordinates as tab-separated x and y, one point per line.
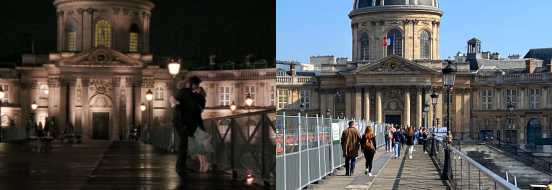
379	110
367	103
419	107
407	106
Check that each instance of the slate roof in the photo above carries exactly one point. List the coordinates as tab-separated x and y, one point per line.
539	53
474	40
503	64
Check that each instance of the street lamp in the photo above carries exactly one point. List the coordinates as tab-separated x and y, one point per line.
434	97
341	116
174	69
248	102
426	110
328	113
233	107
149	97
143	107
337	96
34	106
302	107
449	75
510	113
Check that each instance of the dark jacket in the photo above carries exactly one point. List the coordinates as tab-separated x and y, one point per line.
185	114
200	100
410	140
398	136
424	136
363	142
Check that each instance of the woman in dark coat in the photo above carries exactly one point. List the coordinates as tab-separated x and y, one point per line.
201	151
409	142
368	153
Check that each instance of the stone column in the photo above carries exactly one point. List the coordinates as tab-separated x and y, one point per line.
117	124
522	103
86	122
349	103
367	103
358	104
407	106
330	99
87	28
419	108
544	97
60	30
379	110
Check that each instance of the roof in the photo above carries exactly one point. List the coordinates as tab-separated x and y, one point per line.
474	40
308	73
503	64
539	53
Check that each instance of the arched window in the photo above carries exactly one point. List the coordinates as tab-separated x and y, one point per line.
340	97
158	93
364	49
102	33
43	91
396	48
70	36
134	33
424	45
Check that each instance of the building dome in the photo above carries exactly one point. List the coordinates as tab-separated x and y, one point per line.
367	5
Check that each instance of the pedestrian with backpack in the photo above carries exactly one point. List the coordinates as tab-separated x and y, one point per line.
368	143
416	136
388	137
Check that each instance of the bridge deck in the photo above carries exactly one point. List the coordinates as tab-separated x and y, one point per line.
105	165
390	173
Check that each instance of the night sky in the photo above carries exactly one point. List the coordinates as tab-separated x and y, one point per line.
189	29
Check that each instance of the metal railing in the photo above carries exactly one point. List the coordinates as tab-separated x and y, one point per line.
309	148
510	150
15	133
467	173
243	142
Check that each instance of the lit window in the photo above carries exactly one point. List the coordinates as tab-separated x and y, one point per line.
43	91
158	93
70	36
134	31
224	96
102	34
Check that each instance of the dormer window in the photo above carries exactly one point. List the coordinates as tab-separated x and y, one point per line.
281	73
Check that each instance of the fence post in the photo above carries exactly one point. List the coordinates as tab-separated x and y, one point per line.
300	147
318	143
264	133
233	145
284	145
308	147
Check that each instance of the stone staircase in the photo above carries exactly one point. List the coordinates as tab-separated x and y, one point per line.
500	162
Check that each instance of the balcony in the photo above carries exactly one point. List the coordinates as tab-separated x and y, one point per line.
295	80
514	78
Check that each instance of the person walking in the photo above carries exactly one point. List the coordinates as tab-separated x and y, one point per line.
184	119
368	143
350	140
409	142
416	136
424	139
391	141
388	137
398	138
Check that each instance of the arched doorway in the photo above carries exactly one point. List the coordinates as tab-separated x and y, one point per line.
533	130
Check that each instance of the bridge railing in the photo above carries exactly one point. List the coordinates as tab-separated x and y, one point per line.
466	172
308	147
244	142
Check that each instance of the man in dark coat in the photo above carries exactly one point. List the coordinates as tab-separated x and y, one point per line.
183	118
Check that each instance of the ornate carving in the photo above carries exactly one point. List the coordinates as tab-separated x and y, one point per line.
394	22
136	14
415	21
122	96
59	13
68	80
29	84
79	96
116	10
391	67
103	11
126	11
436	23
381	22
116	82
373	23
426	22
100	102
85	80
70	12
147	83
129	81
363	24
100	87
407	21
392	92
90	10
81	10
144	15
53	82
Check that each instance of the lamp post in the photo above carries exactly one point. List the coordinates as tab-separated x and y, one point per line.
174	69
425	112
337	96
143	108
34	106
341	116
328	113
1	99
149	97
434	97
302	107
449	75
233	107
510	113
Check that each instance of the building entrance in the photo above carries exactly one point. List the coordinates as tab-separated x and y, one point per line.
393	119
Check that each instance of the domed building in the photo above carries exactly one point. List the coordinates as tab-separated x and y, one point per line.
395	66
102	69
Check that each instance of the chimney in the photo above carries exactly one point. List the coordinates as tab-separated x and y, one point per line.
248	59
292	68
212	61
548	64
530	65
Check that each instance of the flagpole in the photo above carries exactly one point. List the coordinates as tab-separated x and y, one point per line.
393	44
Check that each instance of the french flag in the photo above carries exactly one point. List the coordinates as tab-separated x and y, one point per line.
388	41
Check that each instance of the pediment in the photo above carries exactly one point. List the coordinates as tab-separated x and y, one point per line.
101	56
393	65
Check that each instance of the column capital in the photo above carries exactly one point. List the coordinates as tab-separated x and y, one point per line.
53	82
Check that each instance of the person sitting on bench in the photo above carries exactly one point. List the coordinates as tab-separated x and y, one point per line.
68	132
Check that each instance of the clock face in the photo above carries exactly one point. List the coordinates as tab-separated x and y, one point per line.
393	66
101	58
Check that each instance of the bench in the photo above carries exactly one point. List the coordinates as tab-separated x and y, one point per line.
46	143
31	142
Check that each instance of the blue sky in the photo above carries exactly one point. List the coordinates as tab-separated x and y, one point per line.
322	27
